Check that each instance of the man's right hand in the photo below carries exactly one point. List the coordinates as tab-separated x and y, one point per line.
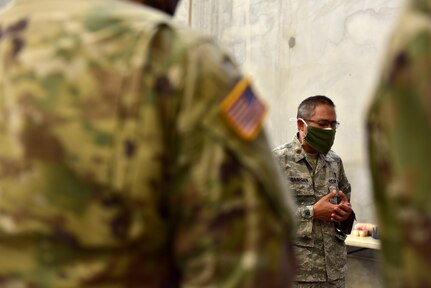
324	209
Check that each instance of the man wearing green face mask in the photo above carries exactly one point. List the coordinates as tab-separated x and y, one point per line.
317	179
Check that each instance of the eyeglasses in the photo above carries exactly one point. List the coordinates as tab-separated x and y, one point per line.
325	123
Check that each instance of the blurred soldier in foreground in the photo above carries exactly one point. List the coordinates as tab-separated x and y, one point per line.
131	155
399	128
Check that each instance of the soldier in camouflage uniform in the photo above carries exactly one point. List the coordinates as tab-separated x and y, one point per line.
399	135
317	180
131	155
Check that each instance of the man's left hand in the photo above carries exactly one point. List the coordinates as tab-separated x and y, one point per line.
343	210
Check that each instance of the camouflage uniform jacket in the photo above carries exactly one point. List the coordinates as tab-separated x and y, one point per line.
116	167
319	245
399	131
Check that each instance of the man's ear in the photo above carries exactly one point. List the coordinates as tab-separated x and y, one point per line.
300	124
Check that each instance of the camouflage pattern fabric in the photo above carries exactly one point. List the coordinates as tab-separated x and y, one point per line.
339	283
399	135
319	245
116	167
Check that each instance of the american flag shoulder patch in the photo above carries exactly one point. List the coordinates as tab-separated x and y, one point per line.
243	110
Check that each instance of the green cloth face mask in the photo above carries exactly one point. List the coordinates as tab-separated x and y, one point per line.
320	139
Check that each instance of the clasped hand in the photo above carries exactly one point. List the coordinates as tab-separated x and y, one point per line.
326	211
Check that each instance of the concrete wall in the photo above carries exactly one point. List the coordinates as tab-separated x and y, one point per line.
3	3
297	48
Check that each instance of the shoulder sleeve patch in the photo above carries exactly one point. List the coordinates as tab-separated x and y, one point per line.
243	110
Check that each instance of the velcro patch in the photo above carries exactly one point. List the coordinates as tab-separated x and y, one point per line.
243	110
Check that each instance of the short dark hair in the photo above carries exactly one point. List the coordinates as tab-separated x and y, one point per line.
307	106
167	6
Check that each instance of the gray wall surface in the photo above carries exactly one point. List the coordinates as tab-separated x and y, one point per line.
293	49
3	3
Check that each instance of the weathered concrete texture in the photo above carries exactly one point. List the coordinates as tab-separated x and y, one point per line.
297	48
3	3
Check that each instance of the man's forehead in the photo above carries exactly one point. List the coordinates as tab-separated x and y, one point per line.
324	111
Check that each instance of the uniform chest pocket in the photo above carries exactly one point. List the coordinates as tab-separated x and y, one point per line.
303	192
333	183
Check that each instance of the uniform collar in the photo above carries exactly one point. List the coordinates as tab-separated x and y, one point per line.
297	149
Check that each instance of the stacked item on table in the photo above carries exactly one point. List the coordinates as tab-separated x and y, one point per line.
365	230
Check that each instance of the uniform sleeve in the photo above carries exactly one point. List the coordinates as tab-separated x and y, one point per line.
304	215
344	185
232	223
343	182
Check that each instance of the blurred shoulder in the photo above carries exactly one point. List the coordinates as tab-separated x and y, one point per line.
282	150
205	49
331	156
